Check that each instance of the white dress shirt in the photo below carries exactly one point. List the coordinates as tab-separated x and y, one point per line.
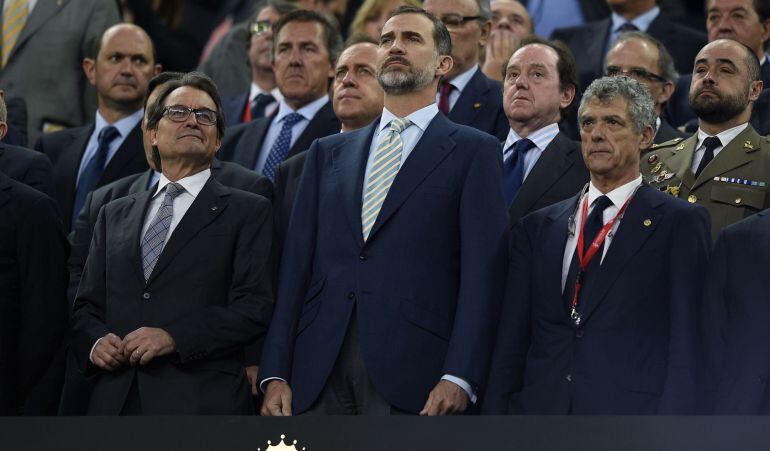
725	137
270	108
618	196
540	138
459	83
307	112
124	127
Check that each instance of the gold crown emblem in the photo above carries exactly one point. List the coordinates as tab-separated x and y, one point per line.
282	446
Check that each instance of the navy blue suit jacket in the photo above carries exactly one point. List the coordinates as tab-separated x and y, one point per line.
426	285
637	349
480	106
234	107
736	313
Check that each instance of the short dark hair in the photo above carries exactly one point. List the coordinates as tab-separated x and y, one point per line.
158	80
762	7
332	38
440	34
195	80
565	65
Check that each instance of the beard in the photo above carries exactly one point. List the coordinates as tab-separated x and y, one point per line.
721	109
402	81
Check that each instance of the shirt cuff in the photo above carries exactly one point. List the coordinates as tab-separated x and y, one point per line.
263	384
91	354
462	384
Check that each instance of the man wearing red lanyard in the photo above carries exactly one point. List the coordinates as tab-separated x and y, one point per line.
601	313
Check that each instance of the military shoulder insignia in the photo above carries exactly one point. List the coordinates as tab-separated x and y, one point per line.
671	189
668	143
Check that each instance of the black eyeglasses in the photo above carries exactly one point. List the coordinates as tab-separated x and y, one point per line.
180	113
260	27
635	72
456	20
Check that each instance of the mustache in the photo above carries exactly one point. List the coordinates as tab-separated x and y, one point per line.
396	59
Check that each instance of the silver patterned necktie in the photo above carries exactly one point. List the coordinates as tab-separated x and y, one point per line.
386	162
155	237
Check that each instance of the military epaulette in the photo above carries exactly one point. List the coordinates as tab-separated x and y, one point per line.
669	143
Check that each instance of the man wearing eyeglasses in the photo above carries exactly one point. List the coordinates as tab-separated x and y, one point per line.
644	58
177	280
262	97
465	95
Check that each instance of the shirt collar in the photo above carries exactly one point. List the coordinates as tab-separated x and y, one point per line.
764	58
540	138
462	80
256	90
308	111
725	137
193	184
618	196
642	21
421	118
124	125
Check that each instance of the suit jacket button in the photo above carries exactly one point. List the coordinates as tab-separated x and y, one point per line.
579	333
569	378
362	257
351	295
146	296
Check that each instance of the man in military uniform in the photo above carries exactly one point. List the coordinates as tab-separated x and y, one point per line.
725	166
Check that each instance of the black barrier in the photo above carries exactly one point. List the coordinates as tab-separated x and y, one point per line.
380	434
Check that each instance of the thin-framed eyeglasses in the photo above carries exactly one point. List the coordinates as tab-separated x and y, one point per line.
635	72
259	27
180	113
454	21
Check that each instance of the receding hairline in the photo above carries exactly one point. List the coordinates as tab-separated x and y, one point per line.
110	32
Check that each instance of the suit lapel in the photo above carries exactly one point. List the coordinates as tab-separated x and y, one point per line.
434	145
595	47
130	150
5	189
44	10
349	163
324	123
554	247
133	221
250	144
551	165
736	153
630	236
209	204
471	101
140	184
69	161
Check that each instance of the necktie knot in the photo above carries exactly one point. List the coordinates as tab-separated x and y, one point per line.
173	190
399	124
712	142
291	119
601	203
445	88
107	135
628	26
259	104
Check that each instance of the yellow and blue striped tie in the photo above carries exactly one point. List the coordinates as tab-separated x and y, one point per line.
385	165
14	18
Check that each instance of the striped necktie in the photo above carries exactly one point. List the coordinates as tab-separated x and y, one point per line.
155	237
14	18
386	162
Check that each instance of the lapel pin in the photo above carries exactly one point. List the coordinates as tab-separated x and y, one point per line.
647	223
748	145
656	168
680	147
214	208
477	105
673	190
652	159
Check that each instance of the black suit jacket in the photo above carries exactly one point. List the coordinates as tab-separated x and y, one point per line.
28	167
480	106
234	107
243	143
679	112
667	133
33	283
65	150
17	121
210	290
588	43
558	174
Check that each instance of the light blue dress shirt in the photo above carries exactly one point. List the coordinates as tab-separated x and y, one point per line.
642	22
124	127
540	138
548	15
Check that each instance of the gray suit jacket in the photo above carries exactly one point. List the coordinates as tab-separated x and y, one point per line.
45	64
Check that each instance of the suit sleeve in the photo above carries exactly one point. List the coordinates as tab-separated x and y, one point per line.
507	369
221	329
42	251
103	15
483	243
689	251
88	312
80	240
296	269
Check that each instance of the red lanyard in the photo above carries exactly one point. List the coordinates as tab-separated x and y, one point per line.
592	250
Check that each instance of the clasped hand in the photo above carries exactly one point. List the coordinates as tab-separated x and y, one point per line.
140	346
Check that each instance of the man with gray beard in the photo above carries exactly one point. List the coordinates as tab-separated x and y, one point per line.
393	269
725	166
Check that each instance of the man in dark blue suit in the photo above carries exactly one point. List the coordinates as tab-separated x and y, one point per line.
601	313
736	314
466	95
393	268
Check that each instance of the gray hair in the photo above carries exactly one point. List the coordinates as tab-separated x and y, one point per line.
641	108
3	111
666	68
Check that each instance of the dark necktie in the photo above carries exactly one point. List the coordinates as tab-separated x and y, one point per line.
94	169
514	168
711	143
628	26
443	97
259	104
594	223
281	146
